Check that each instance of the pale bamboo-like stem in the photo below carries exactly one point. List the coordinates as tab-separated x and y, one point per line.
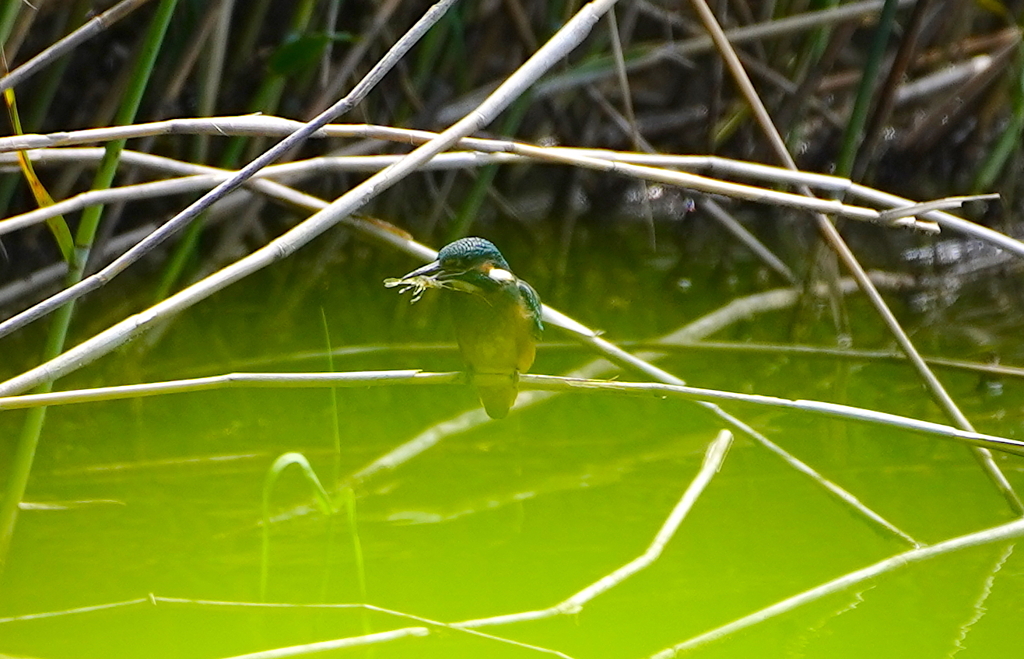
384	637
686	347
541	154
527	382
136	192
257	183
268	126
274	126
938	204
375	163
197	177
684	180
1014	529
234	381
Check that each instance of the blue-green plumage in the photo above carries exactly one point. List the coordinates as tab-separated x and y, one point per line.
497	317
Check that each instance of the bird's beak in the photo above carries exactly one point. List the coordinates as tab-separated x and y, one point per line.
432	268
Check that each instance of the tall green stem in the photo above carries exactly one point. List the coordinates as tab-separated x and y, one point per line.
1010	140
859	115
31	431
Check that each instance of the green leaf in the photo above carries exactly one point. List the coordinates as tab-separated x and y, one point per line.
58	226
322	498
298	54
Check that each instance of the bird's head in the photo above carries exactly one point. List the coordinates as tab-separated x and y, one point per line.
472	265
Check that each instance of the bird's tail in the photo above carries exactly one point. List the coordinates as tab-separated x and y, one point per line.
497	392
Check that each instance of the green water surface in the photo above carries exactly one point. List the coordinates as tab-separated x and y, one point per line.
160	498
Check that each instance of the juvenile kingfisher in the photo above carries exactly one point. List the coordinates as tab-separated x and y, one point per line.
497	317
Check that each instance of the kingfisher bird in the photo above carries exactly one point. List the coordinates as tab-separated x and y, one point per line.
497	317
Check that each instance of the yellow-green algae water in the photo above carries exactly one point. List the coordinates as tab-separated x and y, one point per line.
160	499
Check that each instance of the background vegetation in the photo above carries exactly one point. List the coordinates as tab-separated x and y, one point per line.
918	99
